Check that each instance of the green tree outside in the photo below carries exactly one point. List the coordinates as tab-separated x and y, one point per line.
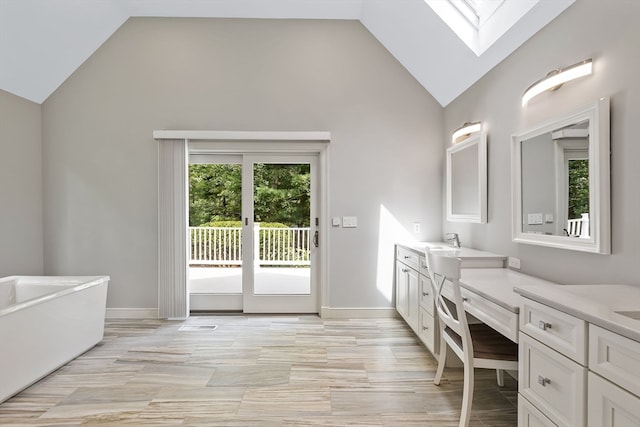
282	193
578	188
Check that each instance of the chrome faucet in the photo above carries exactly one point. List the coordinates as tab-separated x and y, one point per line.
452	237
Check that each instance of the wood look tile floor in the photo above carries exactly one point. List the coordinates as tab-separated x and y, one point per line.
257	371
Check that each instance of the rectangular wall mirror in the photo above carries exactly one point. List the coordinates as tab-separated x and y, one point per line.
560	182
467	180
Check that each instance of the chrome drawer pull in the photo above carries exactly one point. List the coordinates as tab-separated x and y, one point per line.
424	328
543	381
544	325
425	294
407	257
404	270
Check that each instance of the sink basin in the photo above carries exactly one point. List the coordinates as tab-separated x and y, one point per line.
635	314
439	247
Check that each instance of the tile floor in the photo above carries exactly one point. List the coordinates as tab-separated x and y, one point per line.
257	371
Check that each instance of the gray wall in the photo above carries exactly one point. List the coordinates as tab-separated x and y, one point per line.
538	183
606	31
100	161
20	186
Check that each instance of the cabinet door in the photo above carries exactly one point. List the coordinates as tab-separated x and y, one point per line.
553	383
413	303
530	416
611	406
426	294
427	331
402	289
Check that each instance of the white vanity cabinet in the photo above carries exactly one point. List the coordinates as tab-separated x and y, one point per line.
427	326
573	372
411	285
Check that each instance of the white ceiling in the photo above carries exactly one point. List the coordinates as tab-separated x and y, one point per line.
42	42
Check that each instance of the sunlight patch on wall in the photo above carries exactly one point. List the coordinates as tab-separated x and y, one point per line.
390	231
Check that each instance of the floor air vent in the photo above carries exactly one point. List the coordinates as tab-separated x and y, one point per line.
199	328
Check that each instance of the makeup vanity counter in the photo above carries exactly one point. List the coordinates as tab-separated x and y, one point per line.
414	299
579	345
579	355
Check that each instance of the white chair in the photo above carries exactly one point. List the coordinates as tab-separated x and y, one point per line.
477	345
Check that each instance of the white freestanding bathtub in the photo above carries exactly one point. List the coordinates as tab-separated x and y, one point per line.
46	321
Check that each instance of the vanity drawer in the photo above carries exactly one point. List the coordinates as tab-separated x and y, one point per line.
427	331
611	406
407	256
558	330
615	357
498	317
426	294
553	383
530	416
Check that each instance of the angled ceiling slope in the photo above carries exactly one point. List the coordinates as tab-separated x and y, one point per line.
42	42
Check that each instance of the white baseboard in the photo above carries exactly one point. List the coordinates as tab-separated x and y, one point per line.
325	313
357	312
131	313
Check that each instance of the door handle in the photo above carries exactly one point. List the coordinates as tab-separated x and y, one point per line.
315	239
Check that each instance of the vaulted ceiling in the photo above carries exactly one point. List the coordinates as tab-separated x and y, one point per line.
42	42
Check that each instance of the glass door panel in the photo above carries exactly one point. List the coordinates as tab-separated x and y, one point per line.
280	217
281	227
215	233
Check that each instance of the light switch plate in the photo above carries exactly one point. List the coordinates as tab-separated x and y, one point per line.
534	218
335	221
349	221
514	262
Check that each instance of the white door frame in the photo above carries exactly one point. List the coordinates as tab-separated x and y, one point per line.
173	298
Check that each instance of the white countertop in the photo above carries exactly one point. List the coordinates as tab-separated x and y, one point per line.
445	249
497	285
597	304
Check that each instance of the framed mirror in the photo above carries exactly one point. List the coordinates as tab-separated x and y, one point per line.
560	182
467	180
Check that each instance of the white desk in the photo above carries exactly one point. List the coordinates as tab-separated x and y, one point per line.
490	297
591	345
493	296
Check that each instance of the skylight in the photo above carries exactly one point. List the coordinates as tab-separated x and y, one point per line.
480	23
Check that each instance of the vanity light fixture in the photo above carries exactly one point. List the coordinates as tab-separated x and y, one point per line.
556	78
465	130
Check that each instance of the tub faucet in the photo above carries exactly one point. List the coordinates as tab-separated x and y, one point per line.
452	237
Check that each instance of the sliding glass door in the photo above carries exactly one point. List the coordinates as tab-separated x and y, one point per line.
253	233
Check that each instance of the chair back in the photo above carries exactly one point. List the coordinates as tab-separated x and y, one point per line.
441	270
